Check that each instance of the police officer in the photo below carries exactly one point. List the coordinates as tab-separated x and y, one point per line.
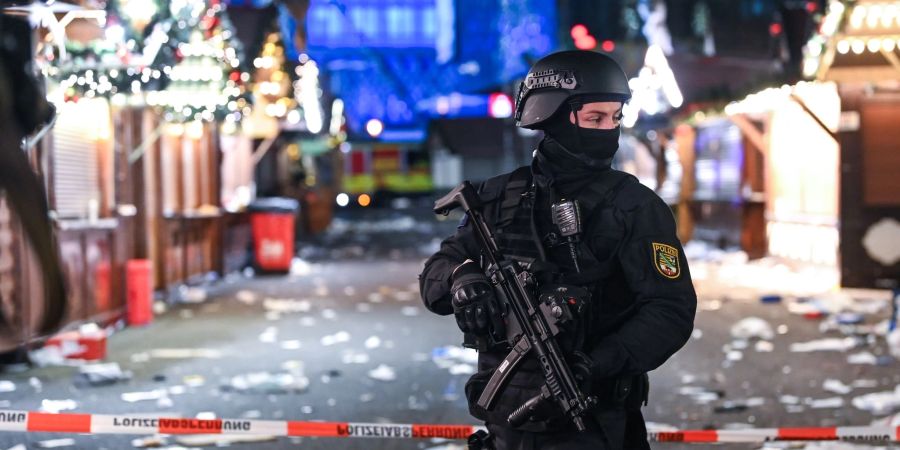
626	255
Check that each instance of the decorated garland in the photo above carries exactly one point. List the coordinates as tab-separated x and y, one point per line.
184	55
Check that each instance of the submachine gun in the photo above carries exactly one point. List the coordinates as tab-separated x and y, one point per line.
532	327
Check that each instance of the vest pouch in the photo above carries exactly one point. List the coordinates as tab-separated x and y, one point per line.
473	389
640	393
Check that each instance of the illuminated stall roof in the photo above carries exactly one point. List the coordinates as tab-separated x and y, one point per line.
856	42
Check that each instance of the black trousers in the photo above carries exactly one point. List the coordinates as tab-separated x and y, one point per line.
622	431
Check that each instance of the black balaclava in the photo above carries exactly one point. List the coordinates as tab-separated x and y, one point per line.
570	155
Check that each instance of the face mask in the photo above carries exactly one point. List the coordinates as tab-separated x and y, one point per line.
598	144
591	146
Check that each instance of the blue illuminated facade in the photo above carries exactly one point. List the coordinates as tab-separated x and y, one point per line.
406	61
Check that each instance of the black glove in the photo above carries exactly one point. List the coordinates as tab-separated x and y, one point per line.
474	303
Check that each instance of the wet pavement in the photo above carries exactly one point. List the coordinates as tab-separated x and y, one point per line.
344	337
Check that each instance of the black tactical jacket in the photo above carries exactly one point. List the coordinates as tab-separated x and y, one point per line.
643	301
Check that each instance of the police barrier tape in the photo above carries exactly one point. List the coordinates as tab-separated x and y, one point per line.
29	421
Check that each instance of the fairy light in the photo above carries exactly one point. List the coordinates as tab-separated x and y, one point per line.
843	46
858	16
873	15
874	45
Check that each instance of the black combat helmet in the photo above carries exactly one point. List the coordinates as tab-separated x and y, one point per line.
557	77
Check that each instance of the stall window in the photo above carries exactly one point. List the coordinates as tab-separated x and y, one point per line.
169	169
81	156
237	171
189	152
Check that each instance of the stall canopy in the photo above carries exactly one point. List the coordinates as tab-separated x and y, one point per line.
858	42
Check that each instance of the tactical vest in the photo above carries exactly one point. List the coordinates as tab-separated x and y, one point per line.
511	199
509	202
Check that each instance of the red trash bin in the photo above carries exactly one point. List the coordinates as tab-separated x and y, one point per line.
272	221
139	306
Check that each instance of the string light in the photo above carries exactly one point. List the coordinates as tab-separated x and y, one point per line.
195	89
843	46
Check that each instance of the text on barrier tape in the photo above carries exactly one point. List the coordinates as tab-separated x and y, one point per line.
757	435
27	421
124	424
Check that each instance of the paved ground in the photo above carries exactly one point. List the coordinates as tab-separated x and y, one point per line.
357	310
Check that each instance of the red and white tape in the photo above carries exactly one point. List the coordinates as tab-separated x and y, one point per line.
125	424
859	434
27	421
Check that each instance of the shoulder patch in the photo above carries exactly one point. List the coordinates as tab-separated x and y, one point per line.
665	259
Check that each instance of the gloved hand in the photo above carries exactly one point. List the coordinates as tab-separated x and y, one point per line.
474	304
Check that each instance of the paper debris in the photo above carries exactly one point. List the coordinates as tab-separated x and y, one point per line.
764	346
287	305
56	443
700	395
864	357
149	442
862	384
104	374
383	373
155	394
789	400
246	297
373	342
337	338
56	406
825	403
893	341
449	356
194	380
300	267
192	294
268	383
836	386
752	327
827	344
269	336
879	403
353	357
